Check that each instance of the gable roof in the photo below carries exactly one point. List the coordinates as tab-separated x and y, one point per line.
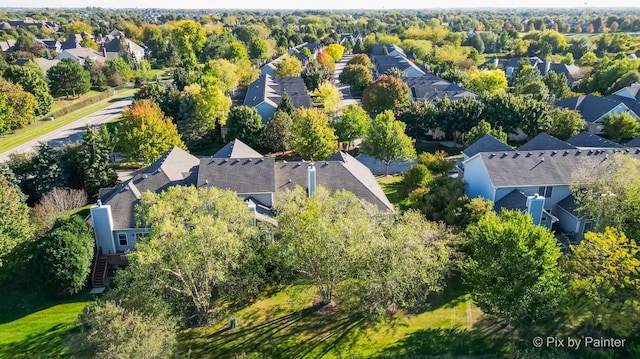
514	200
431	87
7	45
486	143
544	141
572	72
242	175
585	140
544	168
569	204
340	171
378	50
590	107
82	54
176	167
513	62
236	149
385	62
270	89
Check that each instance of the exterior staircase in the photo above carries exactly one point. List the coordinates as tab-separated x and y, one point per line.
98	280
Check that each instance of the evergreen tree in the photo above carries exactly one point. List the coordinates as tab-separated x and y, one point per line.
94	158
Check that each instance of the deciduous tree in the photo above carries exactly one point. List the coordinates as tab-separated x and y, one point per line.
491	81
68	78
330	96
244	123
484	128
145	134
386	93
33	82
14	218
289	66
279	134
385	140
603	277
313	137
352	124
358	76
193	255
621	126
513	271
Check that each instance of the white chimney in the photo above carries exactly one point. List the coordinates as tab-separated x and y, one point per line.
311	177
496	62
547	67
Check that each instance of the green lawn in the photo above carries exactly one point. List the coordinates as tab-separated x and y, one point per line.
287	325
395	190
32	324
62	102
40	128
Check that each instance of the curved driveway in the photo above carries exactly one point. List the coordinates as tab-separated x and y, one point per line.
72	132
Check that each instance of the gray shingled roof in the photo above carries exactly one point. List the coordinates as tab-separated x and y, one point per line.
243	175
486	143
385	62
634	142
590	107
430	87
570	205
514	200
270	89
176	167
544	168
348	174
586	140
378	49
544	141
236	149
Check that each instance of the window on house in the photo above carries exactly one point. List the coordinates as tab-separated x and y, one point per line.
122	238
545	191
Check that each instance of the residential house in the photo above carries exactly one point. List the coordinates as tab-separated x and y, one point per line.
82	54
630	96
7	45
594	109
266	92
573	73
112	48
383	63
74	41
257	179
430	87
387	50
43	64
49	44
536	178
586	140
510	65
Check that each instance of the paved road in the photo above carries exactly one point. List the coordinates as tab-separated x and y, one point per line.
71	132
347	99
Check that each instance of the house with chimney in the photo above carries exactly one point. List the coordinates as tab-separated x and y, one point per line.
265	94
536	177
573	73
257	179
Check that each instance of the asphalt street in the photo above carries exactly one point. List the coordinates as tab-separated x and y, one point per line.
72	132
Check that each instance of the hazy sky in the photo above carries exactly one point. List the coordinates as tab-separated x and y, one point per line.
318	4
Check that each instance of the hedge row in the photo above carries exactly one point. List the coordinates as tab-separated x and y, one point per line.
83	103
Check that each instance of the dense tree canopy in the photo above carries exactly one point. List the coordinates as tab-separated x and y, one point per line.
33	82
68	78
145	134
386	141
513	270
14	218
313	137
245	123
386	93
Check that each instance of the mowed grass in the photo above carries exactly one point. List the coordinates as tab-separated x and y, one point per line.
63	102
40	128
395	190
288	325
33	324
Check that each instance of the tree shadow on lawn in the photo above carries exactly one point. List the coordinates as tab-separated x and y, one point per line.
304	333
45	344
483	339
